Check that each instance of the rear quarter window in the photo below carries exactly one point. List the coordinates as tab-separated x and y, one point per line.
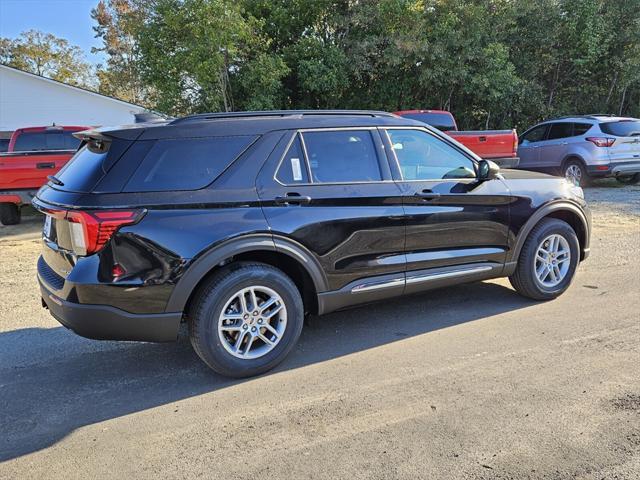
186	163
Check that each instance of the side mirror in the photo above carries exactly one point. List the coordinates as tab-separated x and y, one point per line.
487	170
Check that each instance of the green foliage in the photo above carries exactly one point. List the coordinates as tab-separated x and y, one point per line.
493	63
47	55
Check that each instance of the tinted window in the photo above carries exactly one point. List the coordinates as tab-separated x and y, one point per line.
4	144
623	128
422	156
30	141
84	169
186	163
534	135
441	121
342	156
560	130
293	168
580	128
46	140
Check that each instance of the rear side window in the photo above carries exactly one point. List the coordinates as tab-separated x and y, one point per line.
293	168
56	140
441	121
623	128
580	128
342	156
560	130
186	163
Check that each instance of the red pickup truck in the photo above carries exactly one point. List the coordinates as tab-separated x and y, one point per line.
500	146
33	154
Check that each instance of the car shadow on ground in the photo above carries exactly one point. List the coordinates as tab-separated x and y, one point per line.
53	382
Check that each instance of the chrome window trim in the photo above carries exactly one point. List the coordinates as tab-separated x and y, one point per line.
402	179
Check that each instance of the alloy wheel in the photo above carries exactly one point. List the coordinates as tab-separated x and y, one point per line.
552	260
252	322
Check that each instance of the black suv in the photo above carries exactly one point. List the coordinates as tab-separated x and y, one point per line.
240	224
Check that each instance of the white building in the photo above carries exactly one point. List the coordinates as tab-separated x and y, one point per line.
28	100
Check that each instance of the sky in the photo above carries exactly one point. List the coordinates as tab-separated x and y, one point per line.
69	19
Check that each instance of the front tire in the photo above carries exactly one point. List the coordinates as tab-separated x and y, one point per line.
9	214
628	179
246	319
575	172
548	260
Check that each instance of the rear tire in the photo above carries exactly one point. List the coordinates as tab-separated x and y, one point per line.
232	325
9	213
629	179
530	279
575	171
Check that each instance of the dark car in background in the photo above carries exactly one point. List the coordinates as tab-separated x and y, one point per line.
240	224
582	148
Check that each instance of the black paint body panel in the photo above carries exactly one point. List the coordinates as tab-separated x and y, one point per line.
347	235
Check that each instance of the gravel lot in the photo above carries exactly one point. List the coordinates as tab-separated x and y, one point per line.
465	382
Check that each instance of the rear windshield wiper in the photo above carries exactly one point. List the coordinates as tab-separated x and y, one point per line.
55	181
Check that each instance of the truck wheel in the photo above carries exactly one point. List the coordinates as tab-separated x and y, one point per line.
575	172
245	319
629	179
9	213
548	260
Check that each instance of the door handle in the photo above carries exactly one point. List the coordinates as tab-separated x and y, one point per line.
427	195
293	199
43	165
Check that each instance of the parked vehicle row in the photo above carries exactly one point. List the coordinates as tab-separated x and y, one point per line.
33	153
240	224
582	148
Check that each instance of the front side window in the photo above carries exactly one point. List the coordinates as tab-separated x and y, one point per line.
422	156
534	135
560	130
342	156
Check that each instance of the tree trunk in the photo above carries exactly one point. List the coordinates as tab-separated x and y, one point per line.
624	94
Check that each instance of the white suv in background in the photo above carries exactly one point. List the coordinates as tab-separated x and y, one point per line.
584	147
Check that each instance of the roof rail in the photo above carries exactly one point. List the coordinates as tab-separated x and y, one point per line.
279	113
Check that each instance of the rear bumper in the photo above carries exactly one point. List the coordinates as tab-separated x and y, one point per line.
506	162
102	322
17	197
614	169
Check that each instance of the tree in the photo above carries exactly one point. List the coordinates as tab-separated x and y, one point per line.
47	55
116	27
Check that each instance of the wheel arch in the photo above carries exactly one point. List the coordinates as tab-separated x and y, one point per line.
570	157
289	256
562	210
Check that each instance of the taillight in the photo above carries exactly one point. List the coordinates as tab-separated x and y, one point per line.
601	141
90	231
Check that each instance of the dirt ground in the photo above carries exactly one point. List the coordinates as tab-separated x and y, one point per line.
466	382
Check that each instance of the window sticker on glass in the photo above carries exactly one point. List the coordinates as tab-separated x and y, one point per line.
296	170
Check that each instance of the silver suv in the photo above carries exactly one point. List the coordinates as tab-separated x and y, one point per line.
584	147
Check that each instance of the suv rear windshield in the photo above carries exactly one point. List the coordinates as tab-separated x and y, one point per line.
442	121
46	140
623	128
